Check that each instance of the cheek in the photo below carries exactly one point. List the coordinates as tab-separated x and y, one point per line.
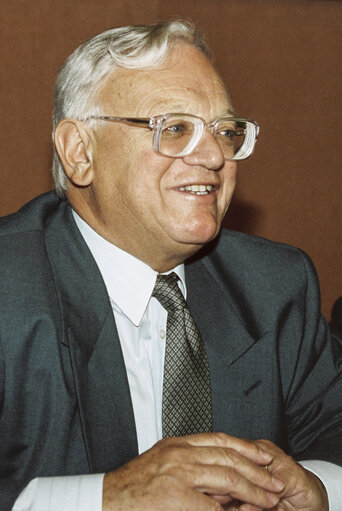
131	168
148	170
143	165
228	182
138	143
228	173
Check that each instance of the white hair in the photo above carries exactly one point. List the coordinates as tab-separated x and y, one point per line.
135	47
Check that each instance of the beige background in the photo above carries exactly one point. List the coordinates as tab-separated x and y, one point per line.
281	60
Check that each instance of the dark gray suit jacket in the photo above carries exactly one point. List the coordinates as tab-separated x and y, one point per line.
64	398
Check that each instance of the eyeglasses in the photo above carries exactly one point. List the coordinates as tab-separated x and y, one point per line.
177	135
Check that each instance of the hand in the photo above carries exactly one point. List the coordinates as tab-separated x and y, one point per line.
197	472
303	491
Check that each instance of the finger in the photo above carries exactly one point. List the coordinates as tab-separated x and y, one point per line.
251	449
239	488
282	464
205	462
232	506
235	505
249	507
229	484
197	501
269	447
254	473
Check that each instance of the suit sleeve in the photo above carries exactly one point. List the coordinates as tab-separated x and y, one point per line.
9	488
314	396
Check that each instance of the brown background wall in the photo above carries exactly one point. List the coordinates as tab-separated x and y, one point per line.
281	60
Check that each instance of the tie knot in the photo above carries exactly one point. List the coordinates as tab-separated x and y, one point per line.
167	292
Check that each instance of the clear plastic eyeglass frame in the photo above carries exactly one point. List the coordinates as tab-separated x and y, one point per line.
157	124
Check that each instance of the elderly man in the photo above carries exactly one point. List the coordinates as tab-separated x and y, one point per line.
106	369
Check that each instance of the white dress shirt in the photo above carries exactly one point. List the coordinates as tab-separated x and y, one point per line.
141	325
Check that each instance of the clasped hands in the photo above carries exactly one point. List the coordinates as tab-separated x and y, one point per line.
212	472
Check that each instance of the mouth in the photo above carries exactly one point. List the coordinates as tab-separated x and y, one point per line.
197	189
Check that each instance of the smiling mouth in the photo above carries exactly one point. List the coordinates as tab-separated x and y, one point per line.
197	189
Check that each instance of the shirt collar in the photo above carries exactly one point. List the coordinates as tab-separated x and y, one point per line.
129	281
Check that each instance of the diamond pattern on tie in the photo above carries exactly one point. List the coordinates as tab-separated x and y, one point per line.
186	407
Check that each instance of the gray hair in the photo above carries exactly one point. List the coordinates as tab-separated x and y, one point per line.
135	47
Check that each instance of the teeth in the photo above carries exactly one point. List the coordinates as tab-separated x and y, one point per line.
197	189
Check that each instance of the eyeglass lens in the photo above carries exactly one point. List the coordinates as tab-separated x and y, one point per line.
179	135
176	135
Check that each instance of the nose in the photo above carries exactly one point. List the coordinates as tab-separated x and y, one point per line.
207	153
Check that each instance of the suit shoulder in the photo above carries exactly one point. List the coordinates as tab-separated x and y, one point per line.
258	263
22	238
253	242
256	249
30	217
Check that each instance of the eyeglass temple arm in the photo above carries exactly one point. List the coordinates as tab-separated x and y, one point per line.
131	121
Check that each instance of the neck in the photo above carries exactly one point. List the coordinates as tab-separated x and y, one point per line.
158	259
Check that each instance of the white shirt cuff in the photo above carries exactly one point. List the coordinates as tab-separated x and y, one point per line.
84	492
331	477
70	493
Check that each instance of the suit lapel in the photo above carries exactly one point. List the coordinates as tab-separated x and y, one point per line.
224	332
89	330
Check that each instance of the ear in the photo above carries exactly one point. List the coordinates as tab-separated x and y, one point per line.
75	148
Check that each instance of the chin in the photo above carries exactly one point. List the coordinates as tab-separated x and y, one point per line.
201	235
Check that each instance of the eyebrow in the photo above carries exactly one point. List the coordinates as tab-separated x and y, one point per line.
230	112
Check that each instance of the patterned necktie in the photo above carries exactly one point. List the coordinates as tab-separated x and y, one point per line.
186	407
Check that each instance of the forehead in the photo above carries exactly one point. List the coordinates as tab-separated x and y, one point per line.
186	82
